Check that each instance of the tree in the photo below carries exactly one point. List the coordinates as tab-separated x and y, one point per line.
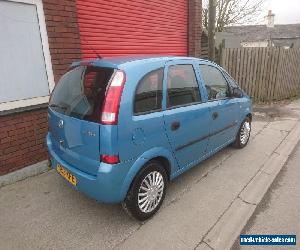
229	12
211	28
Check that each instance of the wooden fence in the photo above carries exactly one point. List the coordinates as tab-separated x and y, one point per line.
266	74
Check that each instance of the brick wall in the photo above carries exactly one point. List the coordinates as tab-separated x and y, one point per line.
195	27
22	140
63	34
22	135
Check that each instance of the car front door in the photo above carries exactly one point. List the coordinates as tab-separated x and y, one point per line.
224	109
186	117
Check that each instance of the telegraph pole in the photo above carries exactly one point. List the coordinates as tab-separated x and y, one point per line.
211	29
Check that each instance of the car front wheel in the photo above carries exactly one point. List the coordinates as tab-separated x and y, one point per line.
243	134
147	191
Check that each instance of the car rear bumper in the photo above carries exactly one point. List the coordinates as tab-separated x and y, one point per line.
105	187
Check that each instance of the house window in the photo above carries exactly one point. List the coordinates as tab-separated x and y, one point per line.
26	76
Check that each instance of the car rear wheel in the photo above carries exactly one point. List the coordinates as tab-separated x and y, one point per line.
243	135
147	191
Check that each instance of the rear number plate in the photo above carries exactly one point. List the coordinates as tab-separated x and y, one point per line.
68	176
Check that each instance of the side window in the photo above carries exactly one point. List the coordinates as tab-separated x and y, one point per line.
182	86
215	84
231	81
148	95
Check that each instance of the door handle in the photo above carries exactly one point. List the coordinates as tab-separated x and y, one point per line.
215	115
175	126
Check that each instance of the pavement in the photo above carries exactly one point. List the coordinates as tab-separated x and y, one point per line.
205	208
279	211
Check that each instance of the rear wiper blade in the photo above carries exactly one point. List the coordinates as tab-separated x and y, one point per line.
57	106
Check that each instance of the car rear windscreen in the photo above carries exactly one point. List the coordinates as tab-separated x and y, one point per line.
80	92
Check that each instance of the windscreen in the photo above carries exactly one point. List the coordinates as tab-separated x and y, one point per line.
80	92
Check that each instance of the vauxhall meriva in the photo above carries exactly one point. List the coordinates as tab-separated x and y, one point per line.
120	129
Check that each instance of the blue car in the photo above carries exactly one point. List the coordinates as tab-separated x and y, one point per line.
120	129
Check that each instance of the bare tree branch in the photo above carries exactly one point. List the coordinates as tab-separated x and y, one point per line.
231	12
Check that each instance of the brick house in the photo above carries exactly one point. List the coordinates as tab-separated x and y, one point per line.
41	38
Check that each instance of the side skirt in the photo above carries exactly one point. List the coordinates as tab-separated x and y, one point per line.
204	157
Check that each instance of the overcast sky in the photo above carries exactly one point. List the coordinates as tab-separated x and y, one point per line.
286	11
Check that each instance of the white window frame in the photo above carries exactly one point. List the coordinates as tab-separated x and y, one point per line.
5	106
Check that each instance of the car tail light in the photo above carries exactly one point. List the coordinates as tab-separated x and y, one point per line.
111	105
110	159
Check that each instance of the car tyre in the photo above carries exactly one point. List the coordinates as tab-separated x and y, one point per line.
243	134
147	191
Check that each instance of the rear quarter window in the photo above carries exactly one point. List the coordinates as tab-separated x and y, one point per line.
148	95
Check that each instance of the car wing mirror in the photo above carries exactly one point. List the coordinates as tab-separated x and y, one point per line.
237	93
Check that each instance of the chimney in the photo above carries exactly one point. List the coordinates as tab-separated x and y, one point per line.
270	19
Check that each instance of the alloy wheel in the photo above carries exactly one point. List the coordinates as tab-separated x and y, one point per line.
151	192
245	132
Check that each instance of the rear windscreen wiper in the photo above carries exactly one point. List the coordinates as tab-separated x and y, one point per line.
57	106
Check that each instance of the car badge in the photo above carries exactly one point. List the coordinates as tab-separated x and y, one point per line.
61	124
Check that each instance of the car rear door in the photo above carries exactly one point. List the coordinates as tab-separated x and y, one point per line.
224	109
186	117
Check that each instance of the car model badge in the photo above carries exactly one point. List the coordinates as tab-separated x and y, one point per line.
89	133
61	124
